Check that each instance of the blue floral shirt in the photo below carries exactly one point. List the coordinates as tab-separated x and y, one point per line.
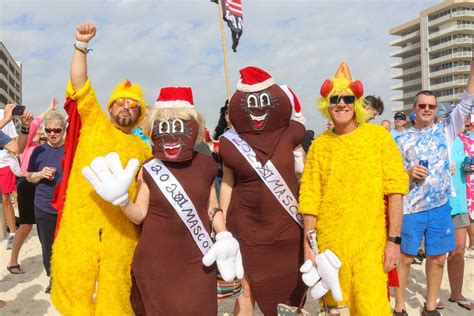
434	145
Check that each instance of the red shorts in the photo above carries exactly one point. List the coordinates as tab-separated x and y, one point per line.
7	180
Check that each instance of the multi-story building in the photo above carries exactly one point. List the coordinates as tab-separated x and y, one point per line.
435	51
10	78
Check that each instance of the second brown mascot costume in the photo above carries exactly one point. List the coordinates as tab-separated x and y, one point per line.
270	237
172	268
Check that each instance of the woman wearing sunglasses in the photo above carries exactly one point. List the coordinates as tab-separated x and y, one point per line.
26	190
44	168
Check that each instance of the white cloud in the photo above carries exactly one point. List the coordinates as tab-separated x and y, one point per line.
163	43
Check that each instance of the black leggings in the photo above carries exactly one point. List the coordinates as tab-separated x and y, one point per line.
46	225
26	197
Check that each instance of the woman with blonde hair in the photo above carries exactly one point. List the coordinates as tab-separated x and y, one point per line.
45	170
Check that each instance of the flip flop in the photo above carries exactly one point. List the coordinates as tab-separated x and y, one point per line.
465	303
15	269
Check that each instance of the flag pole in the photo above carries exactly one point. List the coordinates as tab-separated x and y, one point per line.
221	19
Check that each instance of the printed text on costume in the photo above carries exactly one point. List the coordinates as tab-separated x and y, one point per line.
269	175
180	201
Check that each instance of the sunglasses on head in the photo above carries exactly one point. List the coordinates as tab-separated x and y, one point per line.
430	106
348	99
55	130
131	104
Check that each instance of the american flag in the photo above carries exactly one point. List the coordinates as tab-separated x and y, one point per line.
232	14
234	6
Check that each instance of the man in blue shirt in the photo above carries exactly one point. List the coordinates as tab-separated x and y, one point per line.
399	120
425	150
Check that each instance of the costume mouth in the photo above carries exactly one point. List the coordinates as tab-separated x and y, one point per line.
172	150
258	121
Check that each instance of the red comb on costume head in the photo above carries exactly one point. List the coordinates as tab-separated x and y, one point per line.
357	88
343	72
326	88
127	84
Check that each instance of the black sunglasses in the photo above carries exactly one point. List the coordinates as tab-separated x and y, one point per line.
348	99
55	130
423	106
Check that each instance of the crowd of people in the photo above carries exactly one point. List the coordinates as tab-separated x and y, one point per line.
156	217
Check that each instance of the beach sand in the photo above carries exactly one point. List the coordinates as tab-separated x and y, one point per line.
24	294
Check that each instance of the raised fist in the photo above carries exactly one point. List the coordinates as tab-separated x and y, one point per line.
85	32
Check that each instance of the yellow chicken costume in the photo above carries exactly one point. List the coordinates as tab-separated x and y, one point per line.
344	183
94	245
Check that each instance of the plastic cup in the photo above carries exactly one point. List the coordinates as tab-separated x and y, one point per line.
53	172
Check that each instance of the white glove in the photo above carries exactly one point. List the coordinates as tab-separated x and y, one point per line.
324	277
310	275
109	179
226	252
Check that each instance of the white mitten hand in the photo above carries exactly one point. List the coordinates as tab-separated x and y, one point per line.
109	179
328	265
226	253
309	273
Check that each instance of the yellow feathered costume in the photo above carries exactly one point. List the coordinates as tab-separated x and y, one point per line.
344	183
94	246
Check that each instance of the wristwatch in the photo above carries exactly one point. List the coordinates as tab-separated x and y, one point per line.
395	239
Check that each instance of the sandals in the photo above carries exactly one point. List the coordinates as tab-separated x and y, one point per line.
15	269
465	303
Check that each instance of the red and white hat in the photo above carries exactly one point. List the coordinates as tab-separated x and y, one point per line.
295	103
253	79
175	97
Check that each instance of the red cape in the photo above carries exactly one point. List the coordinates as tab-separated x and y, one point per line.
70	145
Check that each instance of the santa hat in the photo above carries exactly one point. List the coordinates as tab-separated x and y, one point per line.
253	79
175	97
295	103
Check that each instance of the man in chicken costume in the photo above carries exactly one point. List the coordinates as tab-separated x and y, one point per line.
348	171
95	241
259	190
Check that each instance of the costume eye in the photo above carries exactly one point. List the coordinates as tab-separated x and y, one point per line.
252	101
264	99
178	126
164	127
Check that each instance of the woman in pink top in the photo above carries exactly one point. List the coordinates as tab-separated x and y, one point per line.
26	190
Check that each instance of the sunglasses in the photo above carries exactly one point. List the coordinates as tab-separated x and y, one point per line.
431	106
131	104
399	118
55	130
348	99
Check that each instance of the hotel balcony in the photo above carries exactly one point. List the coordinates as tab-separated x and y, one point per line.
452	29
450	57
452	98
405	96
407	72
449	84
454	43
449	71
454	15
406	84
405	50
406	61
405	38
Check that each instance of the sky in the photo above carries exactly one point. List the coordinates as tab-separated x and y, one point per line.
178	43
